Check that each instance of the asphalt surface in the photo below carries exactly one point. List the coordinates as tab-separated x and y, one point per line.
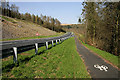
97	68
20	43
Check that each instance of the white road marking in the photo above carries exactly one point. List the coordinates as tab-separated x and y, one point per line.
102	67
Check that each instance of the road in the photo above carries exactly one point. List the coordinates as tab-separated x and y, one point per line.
9	47
19	43
96	66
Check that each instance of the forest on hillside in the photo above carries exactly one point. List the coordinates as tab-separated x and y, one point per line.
102	24
46	21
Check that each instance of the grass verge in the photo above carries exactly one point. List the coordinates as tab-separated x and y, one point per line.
108	56
61	61
35	37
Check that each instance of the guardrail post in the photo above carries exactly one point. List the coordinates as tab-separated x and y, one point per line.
36	48
59	41
56	42
46	45
15	54
62	39
52	43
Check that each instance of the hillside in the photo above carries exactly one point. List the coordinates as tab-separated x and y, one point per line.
14	28
76	28
65	24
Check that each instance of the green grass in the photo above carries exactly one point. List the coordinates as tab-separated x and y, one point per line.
35	37
8	19
81	36
61	61
108	56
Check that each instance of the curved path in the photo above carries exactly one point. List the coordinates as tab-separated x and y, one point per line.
95	65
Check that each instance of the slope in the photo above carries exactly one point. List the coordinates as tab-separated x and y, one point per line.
14	28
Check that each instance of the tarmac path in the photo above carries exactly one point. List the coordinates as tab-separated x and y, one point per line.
97	67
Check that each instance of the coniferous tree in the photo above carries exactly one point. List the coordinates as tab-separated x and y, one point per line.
33	18
102	25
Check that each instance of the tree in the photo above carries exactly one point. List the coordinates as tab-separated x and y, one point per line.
40	21
4	4
57	25
102	25
52	23
33	18
8	8
14	11
79	20
22	17
112	20
89	13
37	20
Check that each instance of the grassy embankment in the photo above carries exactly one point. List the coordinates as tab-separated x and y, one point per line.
61	61
108	56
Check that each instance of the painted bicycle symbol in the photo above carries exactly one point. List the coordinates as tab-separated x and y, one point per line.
102	67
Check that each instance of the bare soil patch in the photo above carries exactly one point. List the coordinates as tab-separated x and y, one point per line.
23	29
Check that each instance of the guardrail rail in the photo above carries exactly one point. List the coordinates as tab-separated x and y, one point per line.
13	47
